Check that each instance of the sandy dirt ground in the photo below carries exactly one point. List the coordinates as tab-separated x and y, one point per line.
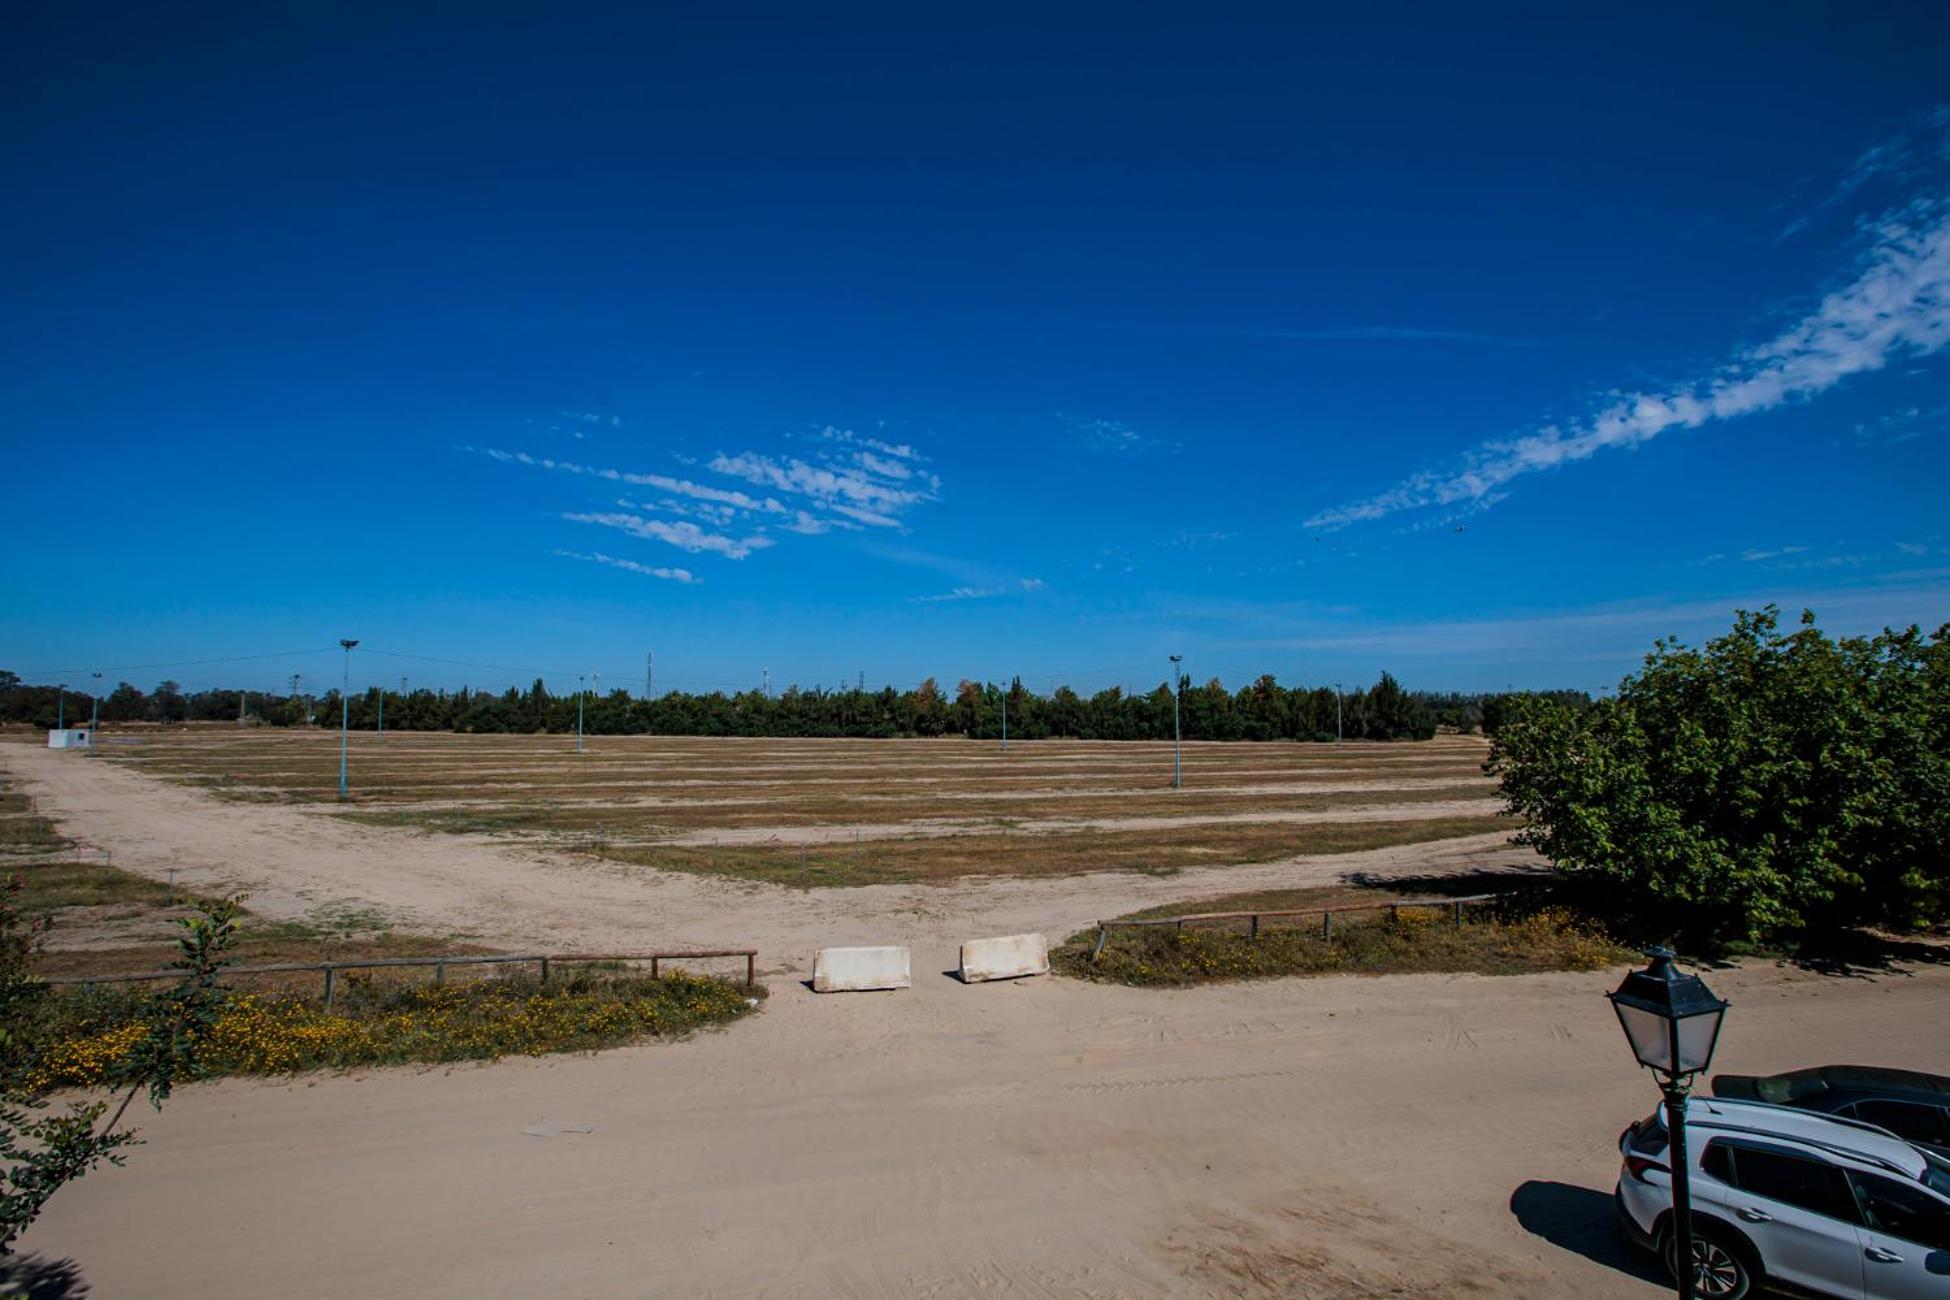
299	862
1422	1136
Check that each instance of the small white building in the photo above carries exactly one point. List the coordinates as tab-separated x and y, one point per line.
70	738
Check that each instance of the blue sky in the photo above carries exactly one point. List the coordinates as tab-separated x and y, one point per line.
1479	347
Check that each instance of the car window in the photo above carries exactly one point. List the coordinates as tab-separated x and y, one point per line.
1717	1161
1912	1121
1903	1210
1793	1180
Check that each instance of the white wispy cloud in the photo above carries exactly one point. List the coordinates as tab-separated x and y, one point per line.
1912	155
1116	438
898	450
1779	552
849	483
663	482
981	593
1896	305
630	566
682	534
853	486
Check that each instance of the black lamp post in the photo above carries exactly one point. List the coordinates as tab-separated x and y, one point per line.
1672	1021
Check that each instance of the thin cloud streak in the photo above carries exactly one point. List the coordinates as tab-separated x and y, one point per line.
630	566
1898	305
683	534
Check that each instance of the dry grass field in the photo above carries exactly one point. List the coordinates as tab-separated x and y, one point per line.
843	812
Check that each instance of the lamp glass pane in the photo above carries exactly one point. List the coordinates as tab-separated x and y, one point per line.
1696	1038
1649	1034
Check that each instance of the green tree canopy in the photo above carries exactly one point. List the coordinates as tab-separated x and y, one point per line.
1769	786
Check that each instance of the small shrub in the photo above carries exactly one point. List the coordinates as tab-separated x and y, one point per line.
1419	940
374	1023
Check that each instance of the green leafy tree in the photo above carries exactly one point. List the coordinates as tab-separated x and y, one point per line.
42	1152
1771	786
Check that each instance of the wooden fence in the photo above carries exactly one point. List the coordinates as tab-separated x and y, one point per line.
1326	914
439	964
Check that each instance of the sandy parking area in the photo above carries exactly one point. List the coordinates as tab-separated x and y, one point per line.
1406	1136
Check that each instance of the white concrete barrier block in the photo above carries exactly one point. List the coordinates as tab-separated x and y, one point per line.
852	970
1007	958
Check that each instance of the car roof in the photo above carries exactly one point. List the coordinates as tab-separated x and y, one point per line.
1872	1078
1849	1139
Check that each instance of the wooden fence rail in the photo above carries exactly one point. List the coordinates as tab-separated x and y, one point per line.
1326	915
439	964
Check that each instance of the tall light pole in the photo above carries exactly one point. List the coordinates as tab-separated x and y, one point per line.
579	693
95	722
382	709
1337	713
1005	720
1177	733
61	707
1673	1022
345	710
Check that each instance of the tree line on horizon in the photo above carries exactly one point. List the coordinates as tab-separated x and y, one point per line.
1260	710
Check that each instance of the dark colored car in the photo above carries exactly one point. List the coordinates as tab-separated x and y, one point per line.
1913	1106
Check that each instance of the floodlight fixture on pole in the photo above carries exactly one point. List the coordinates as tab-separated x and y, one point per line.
1673	1023
345	710
1177	738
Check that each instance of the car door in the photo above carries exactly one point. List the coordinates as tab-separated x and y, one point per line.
1905	1239
1800	1214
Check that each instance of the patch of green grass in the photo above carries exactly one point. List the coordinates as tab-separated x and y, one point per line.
52	886
923	859
1419	939
79	1037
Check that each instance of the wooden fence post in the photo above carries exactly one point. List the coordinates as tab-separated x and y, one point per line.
330	972
1103	933
1459	914
544	970
751	969
1255	925
440	972
653	968
1327	925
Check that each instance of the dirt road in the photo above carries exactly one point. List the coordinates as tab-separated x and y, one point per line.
298	862
1409	1136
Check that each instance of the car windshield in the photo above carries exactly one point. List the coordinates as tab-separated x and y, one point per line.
1936	1173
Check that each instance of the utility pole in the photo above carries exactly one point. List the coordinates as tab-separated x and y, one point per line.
95	723
862	687
382	709
243	703
579	696
650	674
1005	720
1177	730
345	711
61	707
768	682
1337	713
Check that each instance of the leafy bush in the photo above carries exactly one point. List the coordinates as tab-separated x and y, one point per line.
157	1047
1768	787
1420	939
90	1034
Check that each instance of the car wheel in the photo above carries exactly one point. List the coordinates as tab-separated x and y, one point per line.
1720	1268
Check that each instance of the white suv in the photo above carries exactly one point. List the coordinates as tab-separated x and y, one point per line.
1791	1199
